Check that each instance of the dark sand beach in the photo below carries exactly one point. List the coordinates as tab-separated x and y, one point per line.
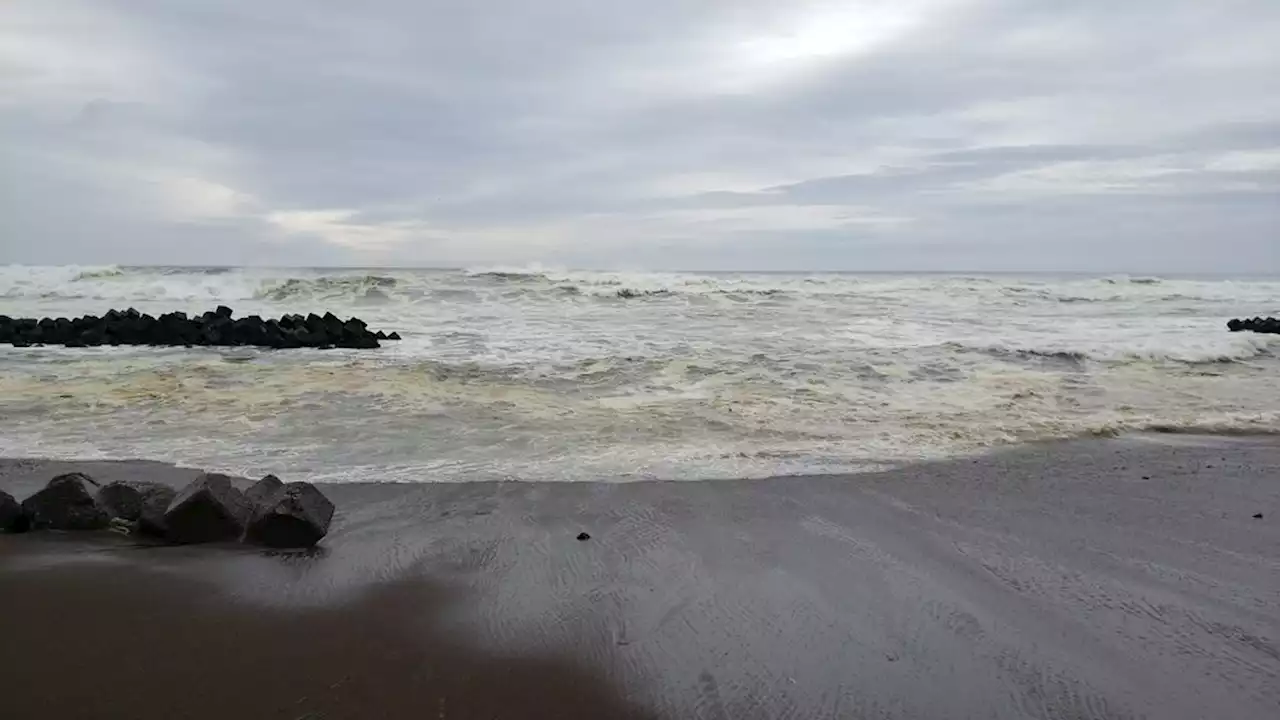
1123	578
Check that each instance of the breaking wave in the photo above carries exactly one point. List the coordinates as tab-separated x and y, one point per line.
1260	423
1122	279
102	272
328	287
1221	350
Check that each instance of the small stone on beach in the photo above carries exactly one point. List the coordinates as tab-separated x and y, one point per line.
1257	516
583	536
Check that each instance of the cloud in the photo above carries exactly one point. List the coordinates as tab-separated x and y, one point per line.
931	134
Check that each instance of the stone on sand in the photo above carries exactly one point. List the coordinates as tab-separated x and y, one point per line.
66	503
295	515
210	509
143	503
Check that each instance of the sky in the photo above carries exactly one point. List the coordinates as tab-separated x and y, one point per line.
965	135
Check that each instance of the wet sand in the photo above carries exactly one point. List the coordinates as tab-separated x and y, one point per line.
1093	579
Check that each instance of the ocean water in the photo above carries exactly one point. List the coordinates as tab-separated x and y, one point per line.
540	374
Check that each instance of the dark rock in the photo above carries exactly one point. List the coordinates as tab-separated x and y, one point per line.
66	503
295	515
583	536
143	503
12	517
92	338
361	339
213	328
207	510
1268	325
1257	516
262	490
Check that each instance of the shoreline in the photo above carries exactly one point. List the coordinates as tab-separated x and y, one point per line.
1100	578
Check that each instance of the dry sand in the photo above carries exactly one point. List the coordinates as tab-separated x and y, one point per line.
1093	579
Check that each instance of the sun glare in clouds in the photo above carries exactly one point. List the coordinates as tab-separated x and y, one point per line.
811	35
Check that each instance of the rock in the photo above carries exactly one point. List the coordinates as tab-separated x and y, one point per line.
1267	325
213	328
66	503
583	536
143	503
207	510
12	517
295	515
262	490
393	336
1257	516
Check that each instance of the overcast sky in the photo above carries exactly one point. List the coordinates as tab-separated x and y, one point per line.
1139	135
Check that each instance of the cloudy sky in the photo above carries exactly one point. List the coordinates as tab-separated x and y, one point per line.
1139	135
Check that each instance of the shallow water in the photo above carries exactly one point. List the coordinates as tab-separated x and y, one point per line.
562	375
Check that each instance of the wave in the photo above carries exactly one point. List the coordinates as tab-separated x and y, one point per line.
825	291
1232	349
102	272
639	286
115	284
1123	279
508	275
328	287
1228	424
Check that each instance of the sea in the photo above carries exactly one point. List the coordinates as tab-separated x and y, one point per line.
541	374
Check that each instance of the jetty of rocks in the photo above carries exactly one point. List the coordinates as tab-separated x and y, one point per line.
210	508
1268	325
217	327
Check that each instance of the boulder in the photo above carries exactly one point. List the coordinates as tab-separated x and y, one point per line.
12	517
207	510
296	515
262	490
143	503
66	503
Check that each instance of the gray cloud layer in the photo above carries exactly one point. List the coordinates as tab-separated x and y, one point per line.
864	134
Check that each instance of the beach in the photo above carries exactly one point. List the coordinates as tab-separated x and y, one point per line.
1098	578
